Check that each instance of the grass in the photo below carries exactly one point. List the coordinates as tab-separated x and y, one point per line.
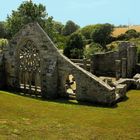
24	118
118	31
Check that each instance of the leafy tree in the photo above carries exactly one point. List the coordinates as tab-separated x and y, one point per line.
87	30
75	46
26	13
69	28
101	34
53	29
3	30
76	53
49	28
3	43
58	27
132	34
129	34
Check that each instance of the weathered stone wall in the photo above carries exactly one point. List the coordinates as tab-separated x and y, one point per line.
104	63
137	68
54	69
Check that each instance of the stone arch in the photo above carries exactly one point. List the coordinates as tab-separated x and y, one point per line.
70	85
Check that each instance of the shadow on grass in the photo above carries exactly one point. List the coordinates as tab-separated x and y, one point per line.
72	101
83	103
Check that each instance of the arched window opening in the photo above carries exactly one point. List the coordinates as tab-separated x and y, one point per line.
70	86
30	69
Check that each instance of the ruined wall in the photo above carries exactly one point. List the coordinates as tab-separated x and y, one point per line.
54	69
104	64
137	68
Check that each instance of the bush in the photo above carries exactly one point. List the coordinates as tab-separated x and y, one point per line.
129	35
3	43
76	53
86	31
102	34
74	46
92	49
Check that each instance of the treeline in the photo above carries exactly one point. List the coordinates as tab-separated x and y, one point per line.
75	41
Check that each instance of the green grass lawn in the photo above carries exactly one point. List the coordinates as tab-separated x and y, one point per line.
33	119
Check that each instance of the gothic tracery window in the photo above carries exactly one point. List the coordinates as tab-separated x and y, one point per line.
29	67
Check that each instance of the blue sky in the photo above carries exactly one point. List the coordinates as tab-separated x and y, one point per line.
84	12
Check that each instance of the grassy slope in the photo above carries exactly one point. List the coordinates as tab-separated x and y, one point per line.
118	31
26	118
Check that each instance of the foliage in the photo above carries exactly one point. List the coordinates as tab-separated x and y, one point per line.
58	26
69	28
76	53
87	30
61	41
36	119
53	29
31	12
26	13
74	44
101	33
3	30
92	49
128	35
49	28
137	43
113	46
3	43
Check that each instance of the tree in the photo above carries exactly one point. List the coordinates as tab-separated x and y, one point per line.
132	33
69	28
74	48
91	49
3	30
48	27
58	26
26	13
3	43
101	34
129	34
87	30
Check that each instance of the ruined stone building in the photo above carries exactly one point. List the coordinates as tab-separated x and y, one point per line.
122	62
32	64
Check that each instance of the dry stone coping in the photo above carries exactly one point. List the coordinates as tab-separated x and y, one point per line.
137	76
120	90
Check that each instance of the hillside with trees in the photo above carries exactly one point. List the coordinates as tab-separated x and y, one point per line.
73	40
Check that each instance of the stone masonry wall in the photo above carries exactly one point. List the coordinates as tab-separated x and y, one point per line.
103	64
54	69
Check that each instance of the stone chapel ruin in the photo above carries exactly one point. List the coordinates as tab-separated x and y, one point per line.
32	64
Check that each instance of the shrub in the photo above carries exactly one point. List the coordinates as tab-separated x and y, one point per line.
3	43
74	46
92	49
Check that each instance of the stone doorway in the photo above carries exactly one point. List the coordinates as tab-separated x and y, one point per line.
29	69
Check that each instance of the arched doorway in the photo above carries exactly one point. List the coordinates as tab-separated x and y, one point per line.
29	69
